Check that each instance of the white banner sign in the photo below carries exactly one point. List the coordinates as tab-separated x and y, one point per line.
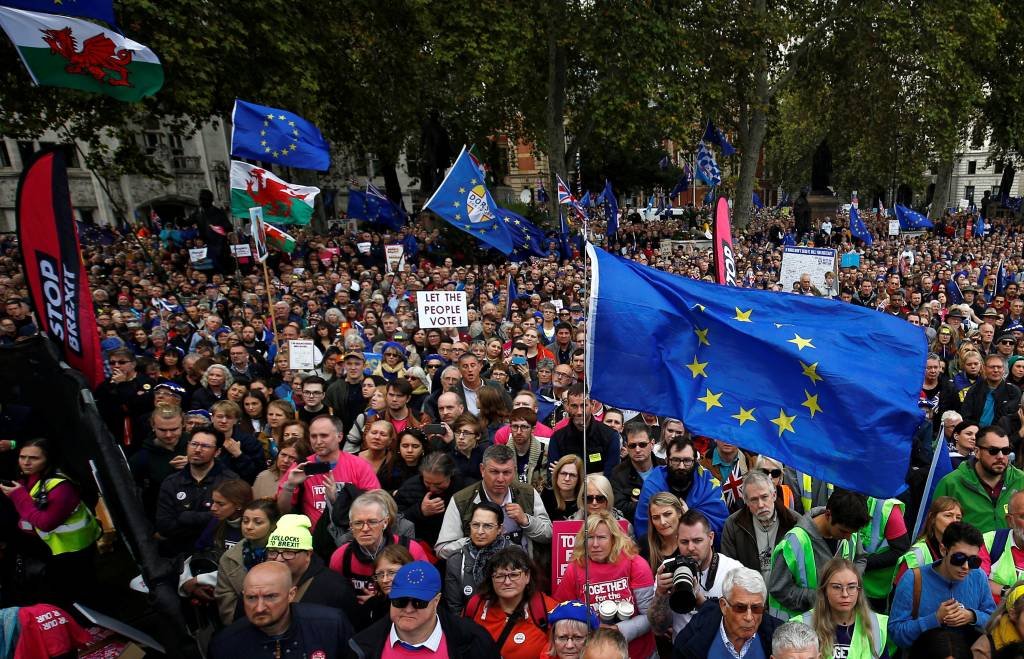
812	260
442	308
241	250
393	255
197	254
301	354
894	227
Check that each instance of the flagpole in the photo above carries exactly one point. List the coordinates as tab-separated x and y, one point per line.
270	306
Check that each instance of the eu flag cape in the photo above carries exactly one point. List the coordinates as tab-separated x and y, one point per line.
828	388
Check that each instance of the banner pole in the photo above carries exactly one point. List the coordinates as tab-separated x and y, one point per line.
270	306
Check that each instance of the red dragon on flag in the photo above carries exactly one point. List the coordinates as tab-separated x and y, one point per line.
98	56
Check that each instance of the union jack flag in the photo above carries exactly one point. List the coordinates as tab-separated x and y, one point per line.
566	197
732	488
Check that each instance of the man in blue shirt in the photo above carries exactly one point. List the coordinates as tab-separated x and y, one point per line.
954	592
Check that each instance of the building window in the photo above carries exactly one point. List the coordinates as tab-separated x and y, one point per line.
969	193
151	142
69	152
995	192
5	157
972	166
25	151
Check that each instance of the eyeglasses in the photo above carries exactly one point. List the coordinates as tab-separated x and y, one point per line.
511	575
565	639
366	523
559	374
638	445
957	559
743	607
840	589
287	555
774	473
681	462
201	446
312	393
597	498
996	450
402	602
385	575
568	475
482	526
519	427
465	433
119	362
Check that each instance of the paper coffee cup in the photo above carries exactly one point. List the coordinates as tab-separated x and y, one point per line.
608	611
626	610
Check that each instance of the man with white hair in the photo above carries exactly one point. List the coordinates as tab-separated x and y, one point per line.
795	640
950	420
735	625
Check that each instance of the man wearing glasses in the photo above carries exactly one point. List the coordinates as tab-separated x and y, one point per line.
991	397
418	627
183	504
734	625
686	479
629	475
313	392
125	400
950	596
985	485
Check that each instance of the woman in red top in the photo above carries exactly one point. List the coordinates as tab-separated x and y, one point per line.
509	606
617	574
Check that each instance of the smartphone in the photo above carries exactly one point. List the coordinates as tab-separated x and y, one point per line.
519	360
434	429
312	468
7	483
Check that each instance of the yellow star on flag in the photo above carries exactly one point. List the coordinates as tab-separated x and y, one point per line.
472	181
811	403
697	368
811	371
462	190
458	216
699	307
455	204
801	342
291	123
710	400
702	336
742	316
270	116
784	422
281	117
745	415
275	154
263	133
292	147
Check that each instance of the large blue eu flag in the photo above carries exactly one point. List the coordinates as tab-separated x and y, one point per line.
463	201
527	238
828	388
101	9
277	136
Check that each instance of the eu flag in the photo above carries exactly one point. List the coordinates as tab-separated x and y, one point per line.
278	136
717	137
463	201
100	9
611	208
910	219
386	211
857	228
527	238
828	388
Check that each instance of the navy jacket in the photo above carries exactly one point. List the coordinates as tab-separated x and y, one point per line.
314	628
697	636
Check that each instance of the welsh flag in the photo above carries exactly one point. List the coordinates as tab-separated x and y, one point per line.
279	239
66	52
281	201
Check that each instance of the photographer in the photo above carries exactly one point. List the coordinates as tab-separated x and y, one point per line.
684	582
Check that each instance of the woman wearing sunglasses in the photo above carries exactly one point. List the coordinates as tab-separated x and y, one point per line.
928	546
950	596
773	468
844	623
598	496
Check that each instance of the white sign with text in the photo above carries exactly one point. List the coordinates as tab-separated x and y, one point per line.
442	309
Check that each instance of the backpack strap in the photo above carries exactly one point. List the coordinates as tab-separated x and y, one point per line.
472	607
917	593
537	604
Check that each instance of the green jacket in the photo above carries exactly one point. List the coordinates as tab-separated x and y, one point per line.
979	510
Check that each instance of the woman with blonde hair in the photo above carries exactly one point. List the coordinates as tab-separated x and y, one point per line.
560	498
598	495
844	623
664	512
620	580
1005	627
213	386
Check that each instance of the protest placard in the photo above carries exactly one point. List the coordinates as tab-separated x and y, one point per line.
813	260
563	541
197	254
301	354
442	309
241	250
894	227
393	255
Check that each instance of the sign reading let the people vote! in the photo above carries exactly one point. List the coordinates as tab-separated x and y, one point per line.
442	309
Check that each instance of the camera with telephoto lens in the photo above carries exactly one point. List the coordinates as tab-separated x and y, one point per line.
684	572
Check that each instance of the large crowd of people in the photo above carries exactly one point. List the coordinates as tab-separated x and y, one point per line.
399	498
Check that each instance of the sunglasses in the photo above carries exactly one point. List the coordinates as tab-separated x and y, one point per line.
402	602
774	473
743	607
597	498
638	445
994	451
958	559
